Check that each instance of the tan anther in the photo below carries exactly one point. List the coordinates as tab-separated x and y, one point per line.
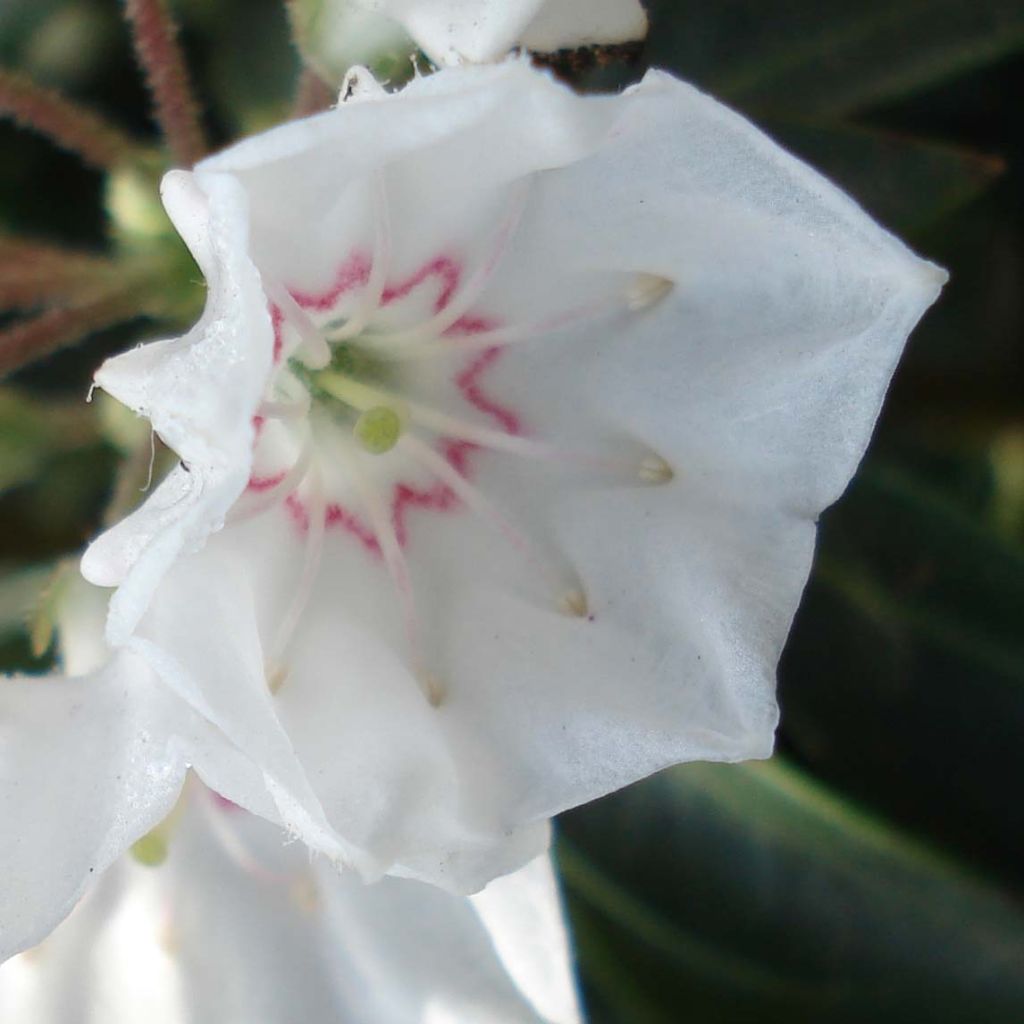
574	603
433	689
647	290
305	894
655	470
276	676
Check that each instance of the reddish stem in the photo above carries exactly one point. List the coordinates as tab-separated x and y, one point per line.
33	273
312	95
155	35
30	340
70	126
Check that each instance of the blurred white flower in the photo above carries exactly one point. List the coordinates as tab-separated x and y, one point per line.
503	436
213	917
233	925
339	33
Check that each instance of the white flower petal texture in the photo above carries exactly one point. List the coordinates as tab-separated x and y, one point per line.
512	413
235	926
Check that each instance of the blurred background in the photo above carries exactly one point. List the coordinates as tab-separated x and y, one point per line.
873	869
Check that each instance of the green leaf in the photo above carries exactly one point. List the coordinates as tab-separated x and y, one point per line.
832	57
906	183
903	679
740	893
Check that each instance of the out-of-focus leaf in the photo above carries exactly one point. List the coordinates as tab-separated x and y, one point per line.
735	893
60	511
903	680
830	57
33	431
906	183
20	589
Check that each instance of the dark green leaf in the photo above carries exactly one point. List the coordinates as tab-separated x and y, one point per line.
903	680
906	183
749	893
831	57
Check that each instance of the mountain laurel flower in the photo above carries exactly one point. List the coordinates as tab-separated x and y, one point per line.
461	31
211	916
503	438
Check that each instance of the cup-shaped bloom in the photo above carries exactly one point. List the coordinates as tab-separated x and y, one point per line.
503	440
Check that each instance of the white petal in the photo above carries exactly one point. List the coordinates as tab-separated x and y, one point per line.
523	913
200	392
85	769
235	925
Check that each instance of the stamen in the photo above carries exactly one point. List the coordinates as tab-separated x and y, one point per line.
284	410
311	557
398	569
655	470
460	344
647	290
365	397
574	603
370	298
475	499
434	689
254	504
470	291
312	348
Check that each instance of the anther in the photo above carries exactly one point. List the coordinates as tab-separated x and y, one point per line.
655	470
276	676
647	290
433	689
378	429
574	603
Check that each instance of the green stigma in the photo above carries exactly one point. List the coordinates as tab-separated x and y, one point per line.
378	429
151	849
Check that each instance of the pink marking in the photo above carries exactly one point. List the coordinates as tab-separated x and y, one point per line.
298	512
353	273
470	325
265	483
277	321
338	515
443	267
440	497
468	382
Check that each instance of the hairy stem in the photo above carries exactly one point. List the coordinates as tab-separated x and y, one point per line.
312	94
155	35
27	341
70	126
33	273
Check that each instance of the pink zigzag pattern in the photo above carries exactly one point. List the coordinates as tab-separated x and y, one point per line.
354	273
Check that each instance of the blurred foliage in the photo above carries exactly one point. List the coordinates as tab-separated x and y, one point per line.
872	871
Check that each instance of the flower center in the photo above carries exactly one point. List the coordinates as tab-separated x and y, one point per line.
342	392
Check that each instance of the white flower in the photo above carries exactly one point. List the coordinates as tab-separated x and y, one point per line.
235	926
343	32
538	398
213	917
